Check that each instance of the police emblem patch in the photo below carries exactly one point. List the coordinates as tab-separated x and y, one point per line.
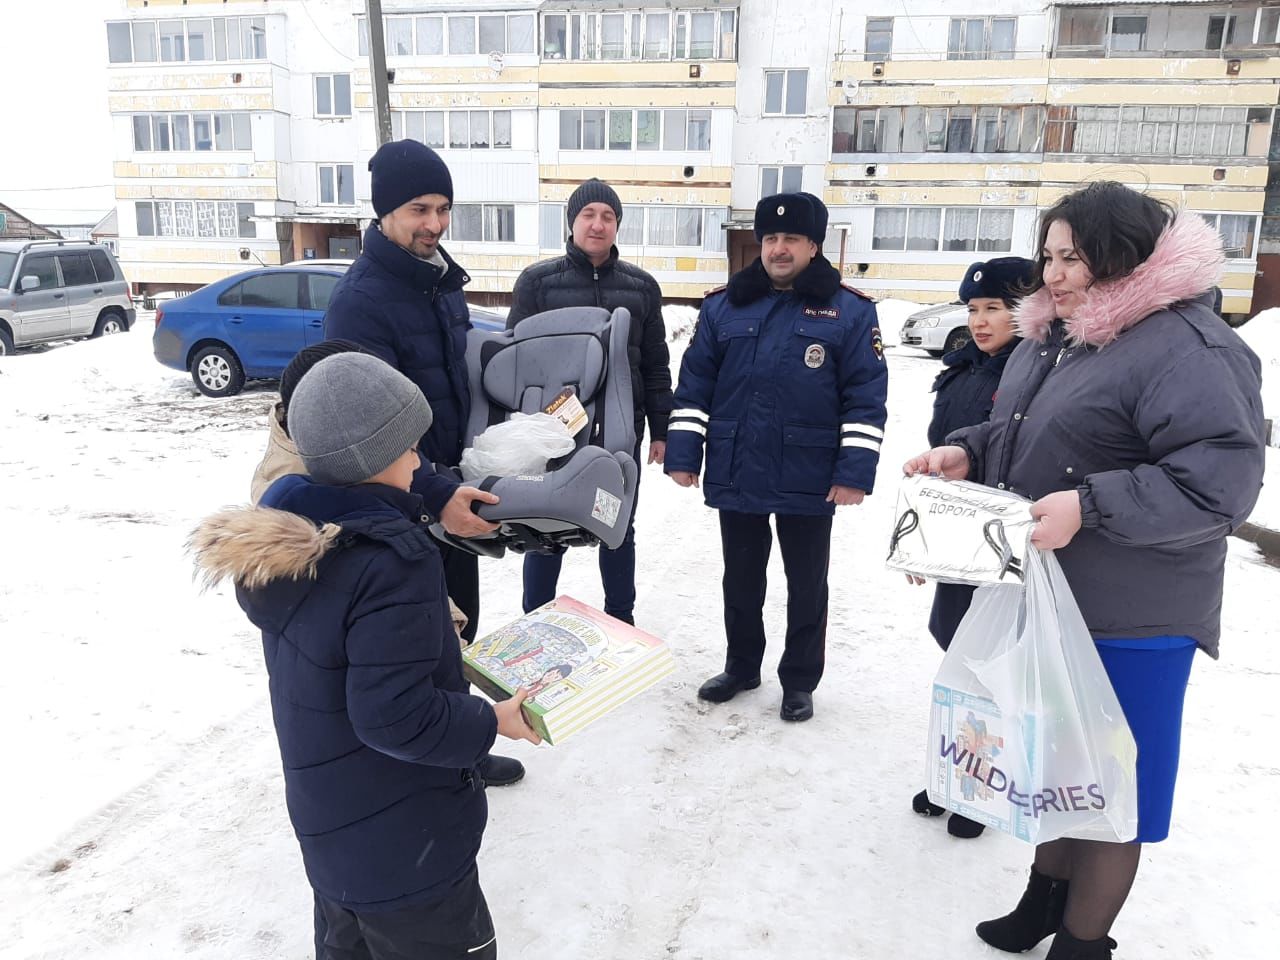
877	343
815	355
781	210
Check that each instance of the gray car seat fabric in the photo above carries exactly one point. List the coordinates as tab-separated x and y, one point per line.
585	497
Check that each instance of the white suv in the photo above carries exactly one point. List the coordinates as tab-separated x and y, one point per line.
59	289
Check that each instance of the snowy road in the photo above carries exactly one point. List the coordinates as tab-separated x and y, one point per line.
143	799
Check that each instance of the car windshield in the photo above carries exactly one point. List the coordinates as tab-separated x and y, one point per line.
7	260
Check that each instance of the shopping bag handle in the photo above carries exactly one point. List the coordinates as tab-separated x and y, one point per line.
906	524
1008	562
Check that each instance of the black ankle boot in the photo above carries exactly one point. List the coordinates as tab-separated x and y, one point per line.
1037	915
1067	947
922	805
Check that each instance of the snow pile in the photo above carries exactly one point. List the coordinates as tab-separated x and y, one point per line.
1262	334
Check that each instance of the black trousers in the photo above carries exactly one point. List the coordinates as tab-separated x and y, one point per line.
462	577
456	928
746	541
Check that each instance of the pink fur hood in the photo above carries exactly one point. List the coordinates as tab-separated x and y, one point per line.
1186	262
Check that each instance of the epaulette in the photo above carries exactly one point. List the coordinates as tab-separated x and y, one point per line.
720	289
864	296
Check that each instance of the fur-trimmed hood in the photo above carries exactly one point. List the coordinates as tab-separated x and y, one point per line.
818	282
253	546
1187	261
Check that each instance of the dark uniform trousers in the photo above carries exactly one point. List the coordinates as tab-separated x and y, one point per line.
746	541
456	928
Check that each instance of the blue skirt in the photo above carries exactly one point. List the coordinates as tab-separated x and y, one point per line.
1150	679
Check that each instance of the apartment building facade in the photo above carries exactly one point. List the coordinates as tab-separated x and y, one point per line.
936	137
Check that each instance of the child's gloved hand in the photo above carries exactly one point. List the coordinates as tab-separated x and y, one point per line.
511	721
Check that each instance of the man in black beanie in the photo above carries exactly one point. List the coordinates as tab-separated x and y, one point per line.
784	383
402	301
590	274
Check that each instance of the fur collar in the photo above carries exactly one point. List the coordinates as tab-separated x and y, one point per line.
818	283
254	546
1186	262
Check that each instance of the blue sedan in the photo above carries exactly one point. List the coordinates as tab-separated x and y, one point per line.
251	325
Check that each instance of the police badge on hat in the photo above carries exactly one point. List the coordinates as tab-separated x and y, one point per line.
815	355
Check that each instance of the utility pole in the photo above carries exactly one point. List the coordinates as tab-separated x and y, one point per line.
378	71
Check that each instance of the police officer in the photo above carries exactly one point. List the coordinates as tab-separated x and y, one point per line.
785	382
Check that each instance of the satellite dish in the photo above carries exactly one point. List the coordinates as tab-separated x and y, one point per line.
495	61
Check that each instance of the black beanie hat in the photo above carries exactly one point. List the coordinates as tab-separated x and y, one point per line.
304	360
800	213
1003	278
404	169
592	191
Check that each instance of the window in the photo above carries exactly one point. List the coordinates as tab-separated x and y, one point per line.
1160	131
520	33
953	229
177	41
1081	31
320	287
245	227
940	129
462	35
163	132
144	212
593	129
620	129
270	291
428	36
612	36
774	180
982	38
428	127
554	33
702	35
337	183
879	43
570	129
333	95
784	92
1127	34
1222	32
77	269
398	36
1238	233
674	129
102	267
657	36
679	130
631	226
459	130
552	229
487	222
648	130
43	269
635	35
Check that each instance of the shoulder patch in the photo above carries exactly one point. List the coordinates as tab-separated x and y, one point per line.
877	343
855	290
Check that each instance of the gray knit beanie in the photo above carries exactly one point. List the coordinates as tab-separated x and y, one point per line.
592	191
353	415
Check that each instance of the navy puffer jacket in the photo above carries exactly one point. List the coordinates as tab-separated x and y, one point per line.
413	315
378	735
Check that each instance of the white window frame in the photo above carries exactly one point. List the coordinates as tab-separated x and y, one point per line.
330	80
988	32
486	209
1214	220
413	19
940	238
236	123
780	172
216	39
788	75
584	34
237	212
334	174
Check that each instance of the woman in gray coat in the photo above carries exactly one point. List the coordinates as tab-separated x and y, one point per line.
1131	415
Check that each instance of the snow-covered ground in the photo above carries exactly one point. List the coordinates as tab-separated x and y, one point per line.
143	803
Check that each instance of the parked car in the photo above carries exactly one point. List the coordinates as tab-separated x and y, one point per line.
60	289
249	326
939	329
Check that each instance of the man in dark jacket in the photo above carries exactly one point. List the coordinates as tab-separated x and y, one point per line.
402	301
785	381
591	275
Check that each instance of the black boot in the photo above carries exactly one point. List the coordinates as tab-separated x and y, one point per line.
723	687
963	827
1037	915
1067	947
500	771
922	805
797	705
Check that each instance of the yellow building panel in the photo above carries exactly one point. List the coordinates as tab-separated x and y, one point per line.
1160	68
164	191
703	177
1225	201
1158	173
687	291
454	76
1237	304
452	99
931	194
936	95
205	170
935	172
168	81
924	269
1178	93
636	95
632	73
190	102
932	71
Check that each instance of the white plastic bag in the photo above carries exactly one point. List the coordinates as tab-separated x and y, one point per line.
520	445
1025	732
959	532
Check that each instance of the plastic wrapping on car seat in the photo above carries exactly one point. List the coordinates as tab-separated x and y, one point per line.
520	445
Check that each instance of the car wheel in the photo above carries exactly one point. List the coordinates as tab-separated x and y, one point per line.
217	371
109	324
936	354
956	339
6	343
